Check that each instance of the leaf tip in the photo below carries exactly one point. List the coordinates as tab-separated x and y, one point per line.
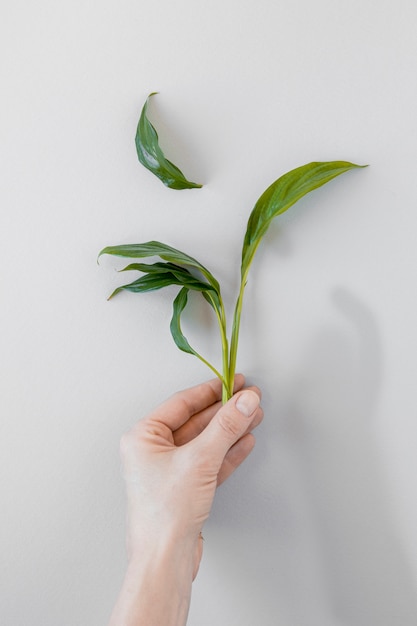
113	294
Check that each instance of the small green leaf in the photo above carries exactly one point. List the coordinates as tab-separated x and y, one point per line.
179	305
282	194
152	157
181	341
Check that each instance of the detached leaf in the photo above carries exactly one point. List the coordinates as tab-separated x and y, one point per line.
282	194
152	157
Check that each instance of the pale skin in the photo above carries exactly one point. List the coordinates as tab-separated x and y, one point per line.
173	461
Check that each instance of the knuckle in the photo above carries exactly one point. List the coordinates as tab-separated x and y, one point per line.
228	422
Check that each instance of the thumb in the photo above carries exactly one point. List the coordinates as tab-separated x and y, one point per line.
228	425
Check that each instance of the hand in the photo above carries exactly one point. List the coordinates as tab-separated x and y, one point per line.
173	461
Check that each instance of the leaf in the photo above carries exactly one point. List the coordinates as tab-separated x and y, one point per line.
181	341
167	253
179	305
149	282
148	268
161	275
180	272
152	157
282	194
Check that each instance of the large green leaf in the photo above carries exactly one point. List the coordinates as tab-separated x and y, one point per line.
152	157
282	194
167	253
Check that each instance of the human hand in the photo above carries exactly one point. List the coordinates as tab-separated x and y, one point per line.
173	461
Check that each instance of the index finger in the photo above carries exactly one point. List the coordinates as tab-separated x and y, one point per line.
178	409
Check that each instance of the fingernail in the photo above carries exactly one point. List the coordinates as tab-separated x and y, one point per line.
247	403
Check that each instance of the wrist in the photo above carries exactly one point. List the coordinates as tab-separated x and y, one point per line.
151	547
157	585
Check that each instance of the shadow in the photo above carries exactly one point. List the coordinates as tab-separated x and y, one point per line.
366	580
308	517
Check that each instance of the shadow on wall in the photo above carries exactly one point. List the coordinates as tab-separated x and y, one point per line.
365	577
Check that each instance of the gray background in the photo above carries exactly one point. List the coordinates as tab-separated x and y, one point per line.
318	527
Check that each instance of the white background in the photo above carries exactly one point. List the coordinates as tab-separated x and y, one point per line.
318	527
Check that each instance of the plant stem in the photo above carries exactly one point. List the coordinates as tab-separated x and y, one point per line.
213	369
221	318
235	334
234	342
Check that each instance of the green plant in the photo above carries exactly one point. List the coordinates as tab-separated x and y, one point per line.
177	268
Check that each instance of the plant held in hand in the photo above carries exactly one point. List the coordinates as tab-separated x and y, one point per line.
177	268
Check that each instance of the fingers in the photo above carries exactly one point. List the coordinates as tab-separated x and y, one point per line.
228	425
240	450
178	409
197	423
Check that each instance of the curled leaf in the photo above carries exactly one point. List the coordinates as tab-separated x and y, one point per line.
181	341
174	272
152	157
180	303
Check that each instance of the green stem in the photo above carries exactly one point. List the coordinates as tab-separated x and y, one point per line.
221	318
213	369
234	342
235	333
